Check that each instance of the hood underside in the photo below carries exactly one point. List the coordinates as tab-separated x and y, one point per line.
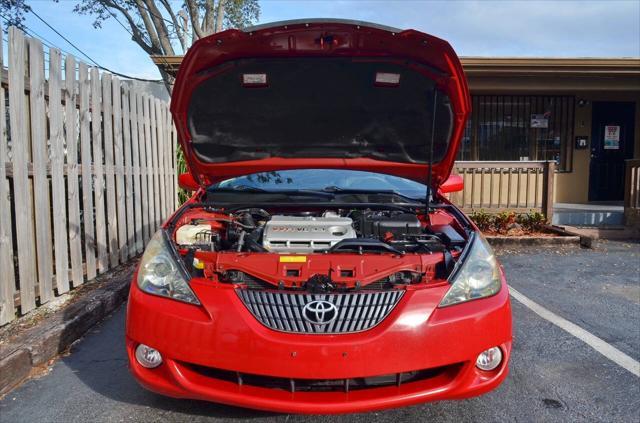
321	94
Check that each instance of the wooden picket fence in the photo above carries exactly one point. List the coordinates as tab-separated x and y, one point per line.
499	186
632	193
87	173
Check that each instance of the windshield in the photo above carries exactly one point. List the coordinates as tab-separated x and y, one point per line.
329	180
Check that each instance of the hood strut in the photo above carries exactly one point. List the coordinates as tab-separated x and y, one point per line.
430	159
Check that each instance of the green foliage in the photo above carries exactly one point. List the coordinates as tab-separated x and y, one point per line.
240	13
502	221
506	221
482	219
13	12
155	24
159	27
533	221
181	167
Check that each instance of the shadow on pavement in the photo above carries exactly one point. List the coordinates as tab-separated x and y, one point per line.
99	360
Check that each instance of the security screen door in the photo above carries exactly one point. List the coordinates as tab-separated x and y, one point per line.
612	130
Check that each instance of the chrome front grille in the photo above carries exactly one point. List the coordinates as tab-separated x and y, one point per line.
303	312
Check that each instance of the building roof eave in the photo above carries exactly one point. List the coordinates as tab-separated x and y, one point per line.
533	66
562	73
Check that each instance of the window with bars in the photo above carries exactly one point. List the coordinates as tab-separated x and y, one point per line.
520	127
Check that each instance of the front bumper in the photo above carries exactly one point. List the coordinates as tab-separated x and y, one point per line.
223	336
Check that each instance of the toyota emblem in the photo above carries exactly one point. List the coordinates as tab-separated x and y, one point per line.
319	312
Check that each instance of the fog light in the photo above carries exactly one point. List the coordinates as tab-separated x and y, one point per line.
489	359
148	357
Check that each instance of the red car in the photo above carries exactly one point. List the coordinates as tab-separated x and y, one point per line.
319	267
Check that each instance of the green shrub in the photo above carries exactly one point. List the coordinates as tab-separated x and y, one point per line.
482	219
502	222
181	166
533	221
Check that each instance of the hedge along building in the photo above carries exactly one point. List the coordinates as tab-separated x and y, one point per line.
581	113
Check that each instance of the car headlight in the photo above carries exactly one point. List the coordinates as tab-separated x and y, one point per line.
478	276
160	274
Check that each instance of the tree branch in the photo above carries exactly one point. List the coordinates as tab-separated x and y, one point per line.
194	15
176	25
137	35
153	35
161	27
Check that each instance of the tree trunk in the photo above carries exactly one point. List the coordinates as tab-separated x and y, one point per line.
160	27
208	22
220	16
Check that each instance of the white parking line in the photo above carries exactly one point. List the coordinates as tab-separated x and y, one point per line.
609	351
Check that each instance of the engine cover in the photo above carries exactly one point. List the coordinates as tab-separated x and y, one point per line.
295	234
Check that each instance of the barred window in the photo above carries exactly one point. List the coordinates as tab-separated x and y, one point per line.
513	127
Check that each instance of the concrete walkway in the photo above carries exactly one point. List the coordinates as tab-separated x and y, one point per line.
591	214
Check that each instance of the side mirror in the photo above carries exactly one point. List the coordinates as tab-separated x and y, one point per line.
186	182
454	183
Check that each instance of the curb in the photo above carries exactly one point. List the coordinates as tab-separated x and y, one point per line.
585	240
595	234
519	241
37	345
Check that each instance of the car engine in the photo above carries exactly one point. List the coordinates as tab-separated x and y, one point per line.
256	230
306	234
314	249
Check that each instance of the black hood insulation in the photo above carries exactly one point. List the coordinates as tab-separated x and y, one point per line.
318	108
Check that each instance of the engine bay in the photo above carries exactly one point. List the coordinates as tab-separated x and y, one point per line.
318	249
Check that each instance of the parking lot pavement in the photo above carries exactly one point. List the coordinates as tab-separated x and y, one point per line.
599	290
554	375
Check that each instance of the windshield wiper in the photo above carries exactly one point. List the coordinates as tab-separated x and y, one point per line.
292	192
328	192
337	190
236	188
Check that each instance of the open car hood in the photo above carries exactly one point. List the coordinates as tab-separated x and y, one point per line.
320	94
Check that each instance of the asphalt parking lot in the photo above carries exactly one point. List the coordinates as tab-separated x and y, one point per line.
554	375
